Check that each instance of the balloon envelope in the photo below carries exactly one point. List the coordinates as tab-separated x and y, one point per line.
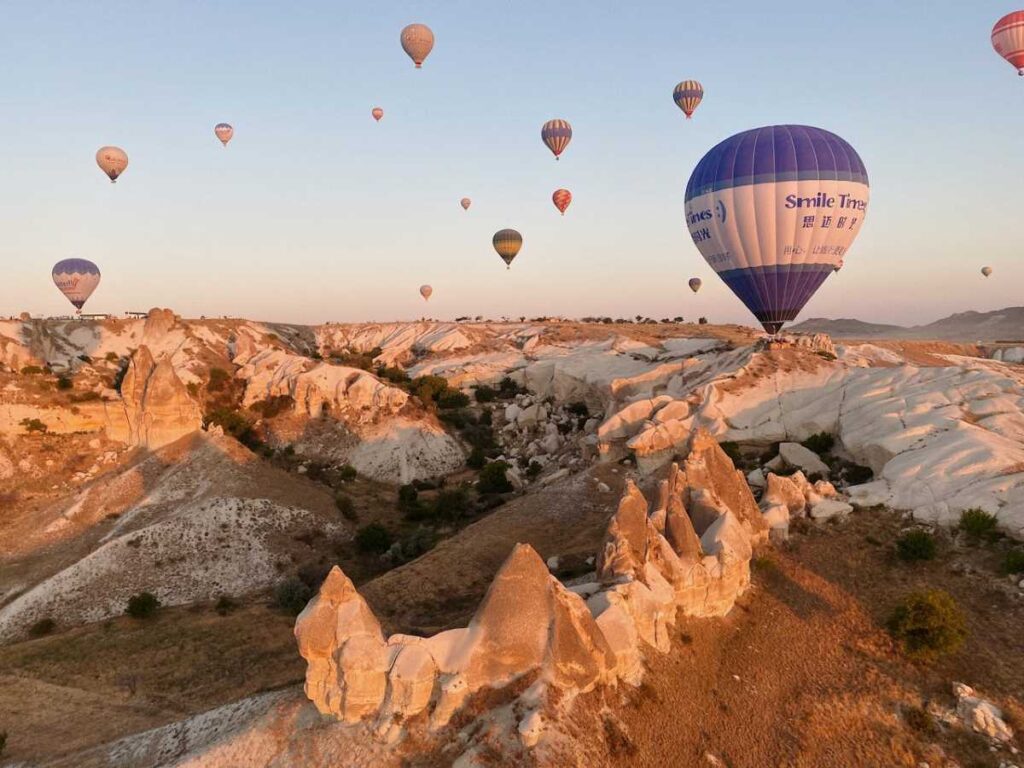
687	96
774	210
224	132
556	134
561	198
465	203
695	284
1008	39
377	113
425	291
112	161
986	271
417	42
76	279
507	243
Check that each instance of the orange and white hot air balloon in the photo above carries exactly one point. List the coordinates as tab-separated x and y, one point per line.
417	42
112	161
425	291
465	203
1008	39
556	135
561	198
687	96
377	113
224	132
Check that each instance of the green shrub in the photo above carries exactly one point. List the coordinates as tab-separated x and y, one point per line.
452	398
732	450
1014	561
31	370
224	605
346	506
219	379
142	605
820	443
408	498
291	595
533	469
347	473
915	545
485	418
234	424
413	544
485	394
977	523
274	405
34	425
457	418
477	458
42	627
507	388
373	539
493	478
64	383
928	624
451	504
856	474
393	374
579	409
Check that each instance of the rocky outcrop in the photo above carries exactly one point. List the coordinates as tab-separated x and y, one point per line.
979	715
652	567
155	407
787	497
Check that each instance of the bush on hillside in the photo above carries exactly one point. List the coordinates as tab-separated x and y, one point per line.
42	627
477	458
820	443
915	545
493	478
978	524
1014	561
451	504
373	539
485	394
291	595
143	605
34	425
64	383
452	398
346	507
928	624
219	379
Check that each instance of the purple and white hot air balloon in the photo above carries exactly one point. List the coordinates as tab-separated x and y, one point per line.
774	210
76	279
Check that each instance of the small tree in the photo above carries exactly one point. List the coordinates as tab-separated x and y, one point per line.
484	394
493	478
451	504
346	506
42	627
143	605
915	545
928	624
291	595
373	539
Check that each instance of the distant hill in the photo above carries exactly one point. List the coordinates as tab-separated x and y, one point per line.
999	325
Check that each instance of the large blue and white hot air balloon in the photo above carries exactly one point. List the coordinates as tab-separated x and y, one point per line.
773	210
76	279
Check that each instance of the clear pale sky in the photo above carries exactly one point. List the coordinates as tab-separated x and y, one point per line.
315	212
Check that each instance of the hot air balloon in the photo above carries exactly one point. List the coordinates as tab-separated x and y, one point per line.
425	291
986	271
695	284
687	96
507	243
112	161
76	279
465	203
773	210
1008	39
417	42
377	113
556	134
561	198
224	132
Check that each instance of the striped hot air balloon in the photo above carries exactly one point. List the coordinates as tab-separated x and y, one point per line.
773	210
112	161
417	42
377	113
465	203
224	132
556	134
687	96
695	284
1008	39
561	198
76	279
507	243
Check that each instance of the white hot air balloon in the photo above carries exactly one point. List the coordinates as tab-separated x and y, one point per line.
76	279
417	42
425	291
112	161
224	132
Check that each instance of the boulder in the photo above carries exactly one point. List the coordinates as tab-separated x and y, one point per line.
826	509
782	490
795	455
777	517
756	479
980	715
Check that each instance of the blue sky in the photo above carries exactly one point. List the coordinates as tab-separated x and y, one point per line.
315	212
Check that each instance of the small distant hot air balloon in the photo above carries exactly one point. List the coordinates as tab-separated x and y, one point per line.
687	96
695	284
224	132
561	198
425	291
417	42
112	161
1008	39
507	243
556	134
986	271
774	210
465	203
76	279
377	113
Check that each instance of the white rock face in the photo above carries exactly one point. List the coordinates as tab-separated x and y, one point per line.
980	715
798	457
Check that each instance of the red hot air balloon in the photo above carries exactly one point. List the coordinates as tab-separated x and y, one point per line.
417	42
377	113
556	134
561	198
1008	39
224	132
